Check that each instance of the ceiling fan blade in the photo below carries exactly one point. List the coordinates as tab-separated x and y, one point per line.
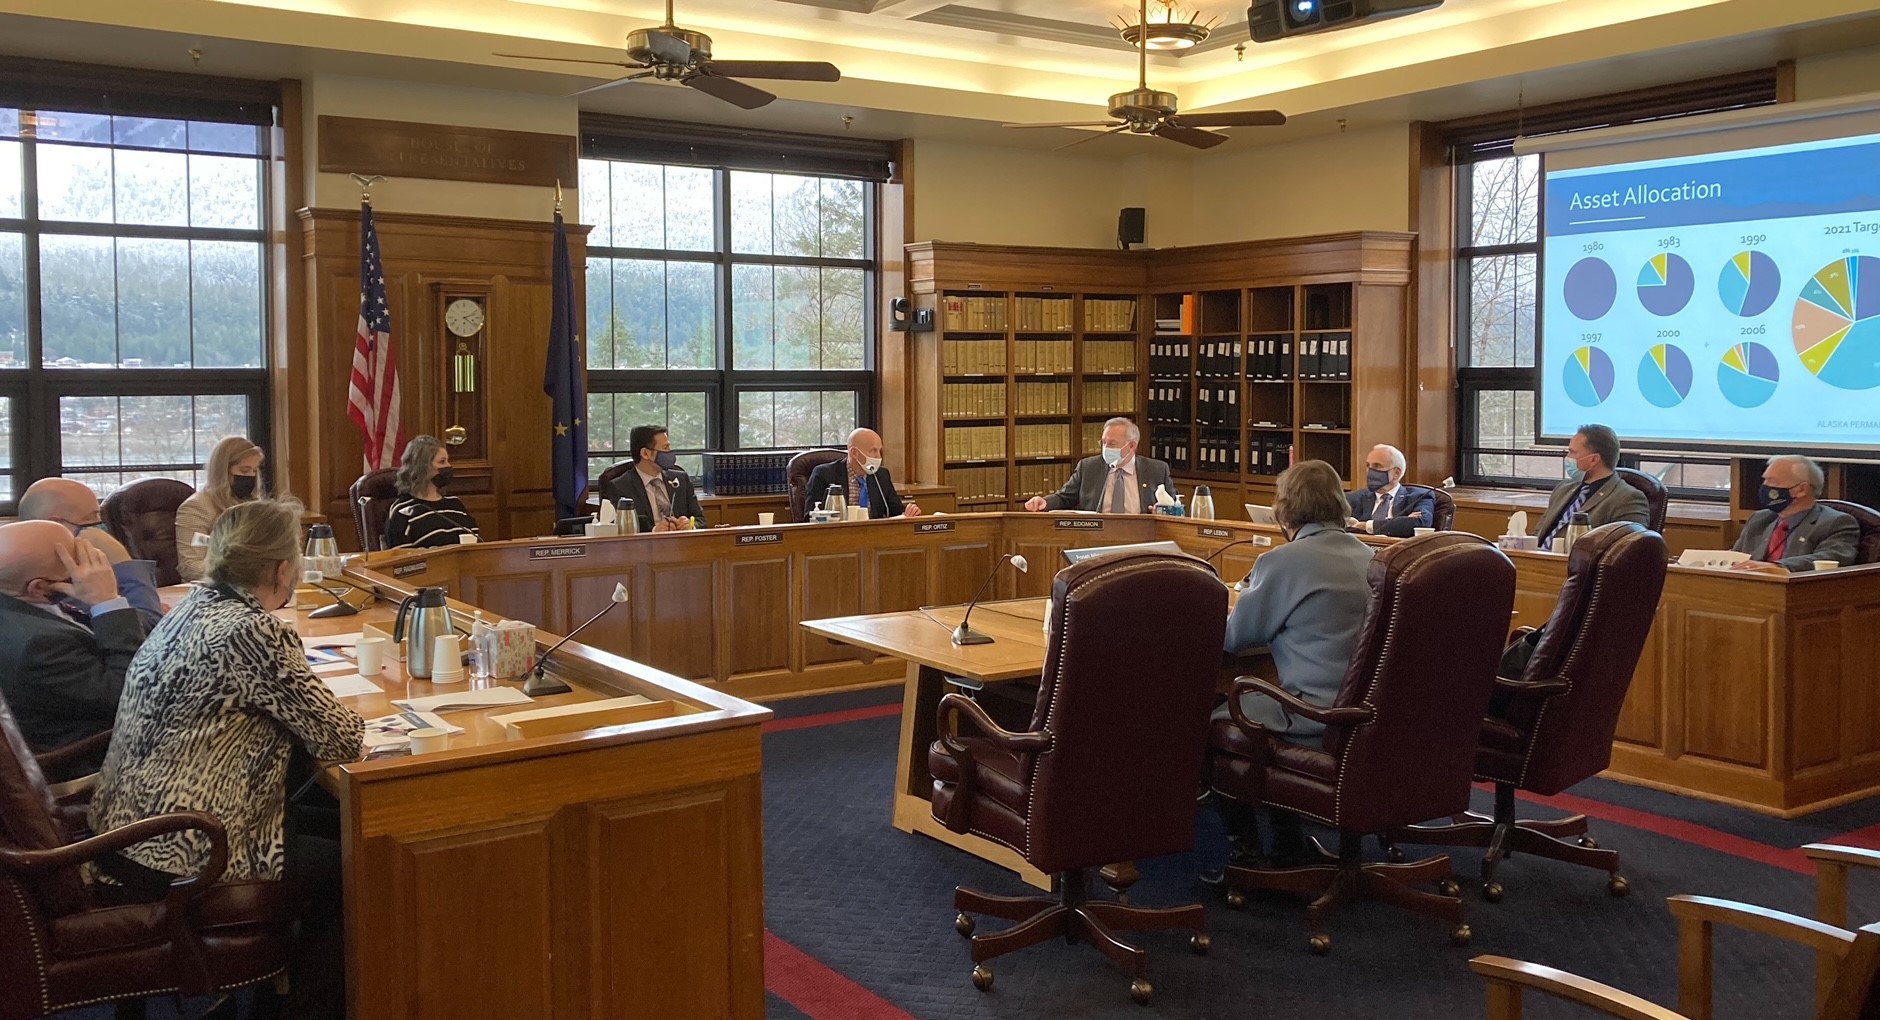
567	60
610	84
1065	124
730	90
1189	136
1244	118
786	70
1086	138
668	49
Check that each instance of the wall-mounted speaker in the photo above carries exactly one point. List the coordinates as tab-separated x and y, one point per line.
1279	19
1129	226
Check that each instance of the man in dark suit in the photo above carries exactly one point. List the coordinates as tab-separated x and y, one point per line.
1117	482
1792	531
75	505
1591	487
60	674
1386	506
661	493
863	479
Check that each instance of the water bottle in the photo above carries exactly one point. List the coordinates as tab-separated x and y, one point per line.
626	522
1577	527
836	504
1203	506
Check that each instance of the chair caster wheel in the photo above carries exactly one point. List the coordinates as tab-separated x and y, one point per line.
1394	854
1491	891
1200	942
982	977
1589	842
1319	944
964	925
1236	899
1618	886
1140	991
1449	887
1461	936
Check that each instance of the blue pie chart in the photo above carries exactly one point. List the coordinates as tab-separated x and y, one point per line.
1665	283
1749	283
1590	288
1664	376
1588	377
1748	375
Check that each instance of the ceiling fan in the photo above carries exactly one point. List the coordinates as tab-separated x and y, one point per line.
1147	111
671	53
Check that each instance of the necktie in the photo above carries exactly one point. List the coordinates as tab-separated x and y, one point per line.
861	491
1118	495
76	613
1560	524
1778	541
658	498
1382	511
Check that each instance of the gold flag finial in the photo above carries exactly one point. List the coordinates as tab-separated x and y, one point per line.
557	196
365	185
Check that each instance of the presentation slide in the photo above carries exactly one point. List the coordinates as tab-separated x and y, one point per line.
1729	298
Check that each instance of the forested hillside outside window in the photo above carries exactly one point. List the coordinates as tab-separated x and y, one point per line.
132	295
733	306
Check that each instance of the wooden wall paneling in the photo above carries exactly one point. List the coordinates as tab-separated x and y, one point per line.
679	620
754	589
900	579
1377	387
522	596
833	585
1642	718
585	592
1726	707
294	418
1814	725
1860	681
959	568
1430	387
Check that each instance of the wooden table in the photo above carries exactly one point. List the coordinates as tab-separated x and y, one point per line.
606	873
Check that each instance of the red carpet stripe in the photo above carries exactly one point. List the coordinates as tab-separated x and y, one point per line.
818	990
804	722
1689	832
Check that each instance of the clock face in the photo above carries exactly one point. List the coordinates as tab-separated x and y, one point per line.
464	317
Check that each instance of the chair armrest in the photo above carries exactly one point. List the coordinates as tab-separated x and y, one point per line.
94	847
1534	688
1697	915
1507	979
1831	863
955	708
75	749
74	790
1350	715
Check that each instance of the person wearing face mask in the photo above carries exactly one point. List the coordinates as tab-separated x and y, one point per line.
61	672
423	516
233	475
1116	482
75	506
1591	487
661	493
1386	506
863	477
1792	530
215	703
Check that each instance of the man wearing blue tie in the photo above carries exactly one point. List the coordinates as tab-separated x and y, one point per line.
863	478
1591	487
1386	506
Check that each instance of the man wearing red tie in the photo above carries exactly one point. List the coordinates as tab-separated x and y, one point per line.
1792	531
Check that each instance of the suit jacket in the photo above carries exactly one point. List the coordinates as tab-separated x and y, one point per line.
678	488
1615	501
63	679
1822	533
137	582
883	501
1084	490
1412	507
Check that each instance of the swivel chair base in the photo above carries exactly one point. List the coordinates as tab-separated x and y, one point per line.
1504	835
1351	879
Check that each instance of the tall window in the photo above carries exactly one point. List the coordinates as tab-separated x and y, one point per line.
1498	250
733	305
133	294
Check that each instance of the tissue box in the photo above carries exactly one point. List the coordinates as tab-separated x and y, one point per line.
512	645
394	650
1519	542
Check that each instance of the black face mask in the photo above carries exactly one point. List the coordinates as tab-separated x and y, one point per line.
443	478
243	486
1776	499
1375	479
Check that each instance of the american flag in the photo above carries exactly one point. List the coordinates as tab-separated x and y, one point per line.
372	400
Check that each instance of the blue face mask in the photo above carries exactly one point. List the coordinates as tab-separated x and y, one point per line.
1112	455
666	459
1375	479
1573	469
1776	499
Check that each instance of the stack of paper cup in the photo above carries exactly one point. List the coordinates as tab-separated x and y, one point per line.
446	660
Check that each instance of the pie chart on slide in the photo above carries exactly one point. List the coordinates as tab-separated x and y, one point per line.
1748	375
1590	288
1837	323
1589	377
1664	375
1665	283
1749	283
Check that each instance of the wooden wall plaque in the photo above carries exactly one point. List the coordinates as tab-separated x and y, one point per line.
442	152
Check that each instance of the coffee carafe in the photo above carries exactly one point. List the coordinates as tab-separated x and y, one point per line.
322	551
429	610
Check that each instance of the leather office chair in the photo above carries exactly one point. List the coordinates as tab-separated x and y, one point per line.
1400	738
1552	727
142	515
1445	510
798	471
608	476
1107	770
61	948
372	498
1657	499
1868	549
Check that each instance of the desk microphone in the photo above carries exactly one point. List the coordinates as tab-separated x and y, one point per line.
539	682
1241	584
964	635
340	606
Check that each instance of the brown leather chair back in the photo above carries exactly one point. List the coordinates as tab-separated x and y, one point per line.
1593	640
1425	665
1127	683
142	515
1868	549
29	820
798	471
372	498
608	476
1445	510
1657	499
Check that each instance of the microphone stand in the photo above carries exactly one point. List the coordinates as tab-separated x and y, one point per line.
965	635
1239	585
340	606
539	682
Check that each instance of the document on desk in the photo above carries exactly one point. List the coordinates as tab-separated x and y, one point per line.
459	700
395	730
1713	558
330	641
350	685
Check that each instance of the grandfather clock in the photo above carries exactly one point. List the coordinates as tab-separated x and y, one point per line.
458	397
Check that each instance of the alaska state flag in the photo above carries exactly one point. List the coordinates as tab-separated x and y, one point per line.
565	381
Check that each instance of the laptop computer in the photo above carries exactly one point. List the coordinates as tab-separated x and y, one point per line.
1259	514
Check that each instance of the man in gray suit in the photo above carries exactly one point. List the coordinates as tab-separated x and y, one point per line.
1117	482
1792	531
1591	487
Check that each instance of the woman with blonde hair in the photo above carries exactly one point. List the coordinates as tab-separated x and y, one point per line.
233	475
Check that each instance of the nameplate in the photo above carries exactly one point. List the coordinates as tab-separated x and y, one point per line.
1215	532
929	527
558	552
1079	524
761	538
408	569
444	152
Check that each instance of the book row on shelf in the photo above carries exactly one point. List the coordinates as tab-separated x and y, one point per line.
1267	453
1169	358
1037	480
975	442
1039	398
1110	315
745	472
1270	358
973	357
1110	357
1170	447
1219	358
1168	402
1034	441
1117	397
977	313
1093	438
973	400
1218	405
1042	357
1042	314
988	313
1218	453
1325	357
972	484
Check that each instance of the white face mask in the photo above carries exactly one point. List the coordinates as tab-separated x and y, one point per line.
1112	455
870	465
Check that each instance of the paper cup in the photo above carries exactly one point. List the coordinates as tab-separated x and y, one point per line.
1827	564
429	739
858	513
371	655
446	659
467	539
767	518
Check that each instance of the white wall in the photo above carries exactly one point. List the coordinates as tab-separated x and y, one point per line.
1838	74
991	195
1358	180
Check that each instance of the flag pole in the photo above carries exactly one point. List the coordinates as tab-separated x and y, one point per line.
365	185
